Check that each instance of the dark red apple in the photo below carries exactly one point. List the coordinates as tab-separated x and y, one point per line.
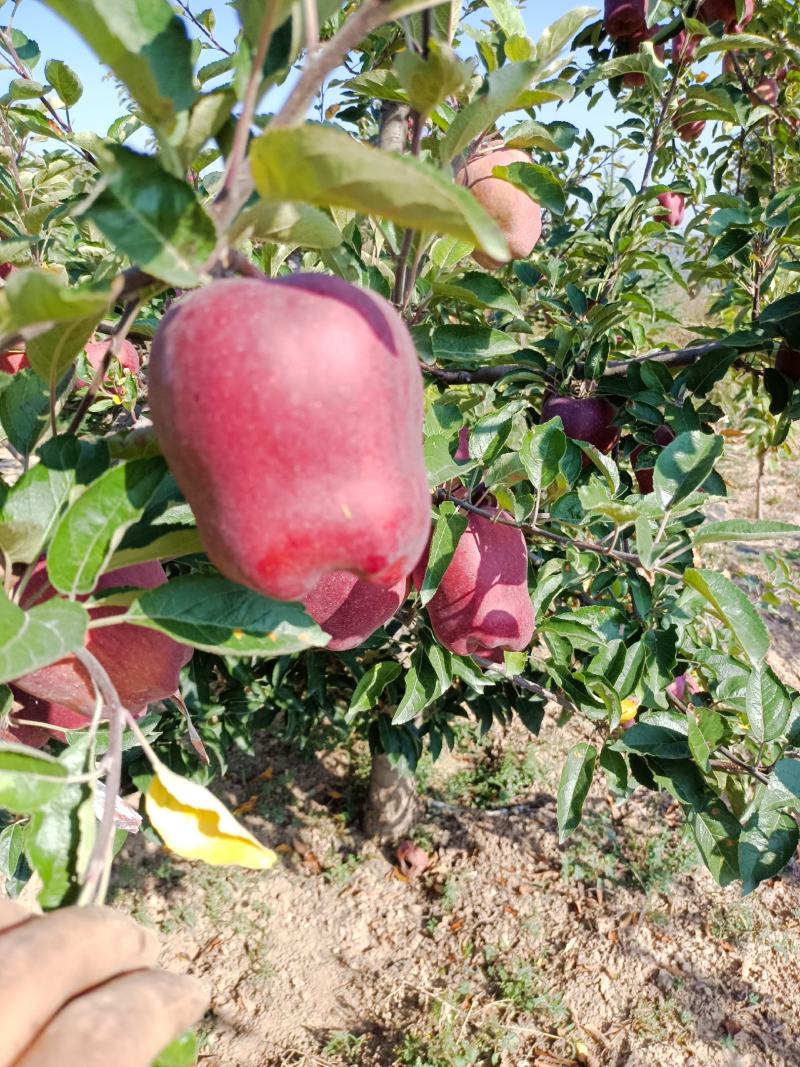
684	46
690	131
29	709
350	610
588	418
623	18
787	362
629	46
663	435
12	361
724	11
766	91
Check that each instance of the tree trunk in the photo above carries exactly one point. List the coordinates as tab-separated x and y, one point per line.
392	803
759	484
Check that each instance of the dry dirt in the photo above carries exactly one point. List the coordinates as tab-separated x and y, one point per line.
615	949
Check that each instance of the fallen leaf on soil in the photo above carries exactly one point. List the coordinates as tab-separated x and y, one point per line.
247	806
192	823
411	859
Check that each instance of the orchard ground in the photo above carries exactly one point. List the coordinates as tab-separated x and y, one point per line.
616	948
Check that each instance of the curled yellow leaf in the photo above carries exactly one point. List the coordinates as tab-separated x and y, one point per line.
192	822
630	706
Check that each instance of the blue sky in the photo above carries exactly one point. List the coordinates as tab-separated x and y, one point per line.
99	107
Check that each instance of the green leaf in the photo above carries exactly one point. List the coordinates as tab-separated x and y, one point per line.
94	525
40	636
28	779
767	705
508	17
324	166
450	525
288	223
64	80
421	689
429	80
730	243
555	38
573	787
783	787
34	297
767	842
479	289
684	465
541	451
23	410
182	1052
734	608
372	683
550	136
25	89
146	46
35	501
153	218
539	182
13	866
650	739
54	350
615	769
61	834
464	343
502	88
439	463
209	612
743	530
706	733
716	834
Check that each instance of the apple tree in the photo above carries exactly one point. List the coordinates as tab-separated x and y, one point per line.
337	385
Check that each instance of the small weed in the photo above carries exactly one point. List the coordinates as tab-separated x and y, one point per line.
660	1020
497	780
521	985
348	1047
343	870
731	922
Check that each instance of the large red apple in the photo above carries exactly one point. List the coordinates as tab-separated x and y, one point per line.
13	361
143	665
622	18
290	413
787	362
587	418
350	610
675	207
482	605
519	217
662	435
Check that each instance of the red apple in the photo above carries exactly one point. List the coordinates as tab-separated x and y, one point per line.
299	444
630	46
6	269
587	418
684	46
462	452
724	11
663	435
350	610
675	206
622	18
30	709
482	606
787	362
519	217
12	361
143	665
95	351
690	131
766	91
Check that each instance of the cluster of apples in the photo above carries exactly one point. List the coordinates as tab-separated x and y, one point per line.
318	491
626	24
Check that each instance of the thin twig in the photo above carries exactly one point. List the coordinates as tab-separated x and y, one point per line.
203	29
117	338
99	866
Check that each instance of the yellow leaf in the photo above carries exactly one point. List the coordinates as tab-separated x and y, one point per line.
630	705
193	823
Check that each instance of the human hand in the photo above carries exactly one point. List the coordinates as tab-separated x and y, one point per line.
78	988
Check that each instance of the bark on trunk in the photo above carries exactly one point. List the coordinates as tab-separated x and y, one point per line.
394	126
392	803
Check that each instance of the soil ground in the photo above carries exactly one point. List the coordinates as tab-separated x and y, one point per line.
614	949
